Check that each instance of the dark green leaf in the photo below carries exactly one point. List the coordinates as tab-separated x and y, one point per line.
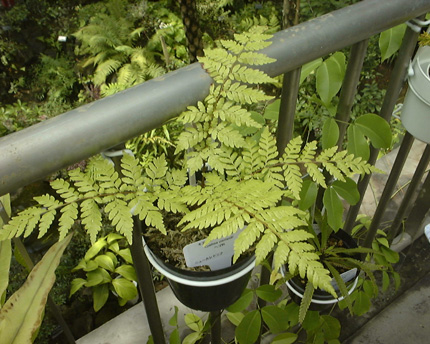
362	303
268	292
376	129
390	41
331	327
312	321
385	280
174	337
391	256
249	328
285	338
275	318
329	77
330	133
242	303
308	194
235	318
347	190
334	208
357	143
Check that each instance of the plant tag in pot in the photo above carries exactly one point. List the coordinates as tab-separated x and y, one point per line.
346	277
217	254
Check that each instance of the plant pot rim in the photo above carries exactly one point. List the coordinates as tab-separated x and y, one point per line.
323	302
200	279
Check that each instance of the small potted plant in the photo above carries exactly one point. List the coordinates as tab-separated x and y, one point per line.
240	188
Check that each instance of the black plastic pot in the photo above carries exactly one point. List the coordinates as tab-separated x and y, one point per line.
209	290
321	299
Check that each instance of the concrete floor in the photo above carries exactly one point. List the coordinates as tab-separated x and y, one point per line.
401	316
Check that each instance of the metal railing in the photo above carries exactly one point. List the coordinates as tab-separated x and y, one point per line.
42	149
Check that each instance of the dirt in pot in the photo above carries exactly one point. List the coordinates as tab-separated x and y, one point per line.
170	247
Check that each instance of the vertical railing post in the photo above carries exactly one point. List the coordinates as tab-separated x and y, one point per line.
146	285
349	87
215	317
389	188
415	182
393	90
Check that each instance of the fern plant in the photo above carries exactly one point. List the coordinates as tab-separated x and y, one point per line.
246	184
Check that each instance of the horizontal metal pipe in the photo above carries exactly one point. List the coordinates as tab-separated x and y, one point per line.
35	152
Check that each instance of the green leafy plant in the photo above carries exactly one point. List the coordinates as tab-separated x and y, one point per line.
109	268
248	181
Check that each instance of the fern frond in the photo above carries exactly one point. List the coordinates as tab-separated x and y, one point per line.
244	95
120	216
254	59
249	75
264	246
91	218
67	219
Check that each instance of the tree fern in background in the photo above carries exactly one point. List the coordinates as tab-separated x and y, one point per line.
110	43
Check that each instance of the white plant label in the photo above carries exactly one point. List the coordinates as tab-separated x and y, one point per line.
217	254
346	277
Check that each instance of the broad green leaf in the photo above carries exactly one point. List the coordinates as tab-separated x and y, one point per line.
235	318
124	288
127	271
376	129
174	337
397	279
88	266
330	133
308	194
100	296
312	321
268	292
192	338
347	190
334	208
329	77
275	318
249	328
285	338
357	143
22	313
126	255
77	284
98	276
331	327
105	262
194	322
362	303
95	249
390	255
385	280
308	68
242	303
391	40
272	110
